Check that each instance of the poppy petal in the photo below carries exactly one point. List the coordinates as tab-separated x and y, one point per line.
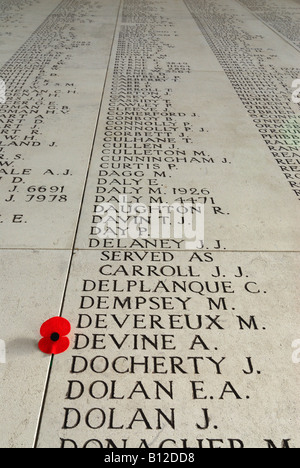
58	325
61	345
48	346
45	345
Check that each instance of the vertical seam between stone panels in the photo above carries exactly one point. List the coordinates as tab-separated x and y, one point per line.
96	129
44	398
288	41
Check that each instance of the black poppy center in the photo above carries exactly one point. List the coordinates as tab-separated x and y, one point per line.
54	337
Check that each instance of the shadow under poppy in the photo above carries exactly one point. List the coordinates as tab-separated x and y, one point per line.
20	347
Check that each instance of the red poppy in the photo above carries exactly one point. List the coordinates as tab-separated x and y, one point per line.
54	333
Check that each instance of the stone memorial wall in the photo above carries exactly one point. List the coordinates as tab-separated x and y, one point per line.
283	17
149	173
